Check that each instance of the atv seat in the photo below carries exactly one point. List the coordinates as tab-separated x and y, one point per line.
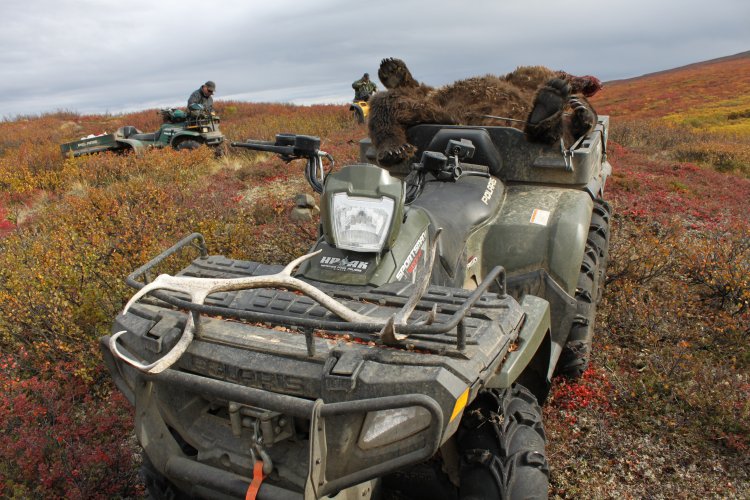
459	208
436	137
128	131
152	137
510	157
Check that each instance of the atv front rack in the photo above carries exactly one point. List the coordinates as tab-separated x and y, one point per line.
423	326
459	341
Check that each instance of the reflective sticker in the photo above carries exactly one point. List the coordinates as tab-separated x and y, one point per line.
539	217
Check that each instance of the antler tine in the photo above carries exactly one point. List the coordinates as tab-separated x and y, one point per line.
423	280
299	260
167	360
388	334
167	282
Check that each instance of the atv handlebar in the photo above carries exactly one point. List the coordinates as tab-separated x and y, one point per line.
445	167
294	147
290	146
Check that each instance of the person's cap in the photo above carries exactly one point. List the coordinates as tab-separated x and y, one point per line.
366	75
210	85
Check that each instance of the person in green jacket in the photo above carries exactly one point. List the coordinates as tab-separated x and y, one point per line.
364	88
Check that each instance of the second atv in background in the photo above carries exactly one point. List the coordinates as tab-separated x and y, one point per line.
180	130
363	89
360	110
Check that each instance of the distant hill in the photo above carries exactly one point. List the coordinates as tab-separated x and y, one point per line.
718	60
705	91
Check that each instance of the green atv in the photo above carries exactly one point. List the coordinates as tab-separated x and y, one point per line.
406	356
180	130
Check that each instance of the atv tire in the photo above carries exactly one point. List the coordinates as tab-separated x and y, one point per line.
220	151
576	354
188	144
501	443
359	116
598	238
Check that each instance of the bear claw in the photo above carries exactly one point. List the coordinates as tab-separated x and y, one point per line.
396	155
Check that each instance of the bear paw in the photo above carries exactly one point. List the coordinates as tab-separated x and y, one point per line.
545	122
393	74
550	100
583	118
393	156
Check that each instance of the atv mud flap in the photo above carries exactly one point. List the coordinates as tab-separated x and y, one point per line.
205	480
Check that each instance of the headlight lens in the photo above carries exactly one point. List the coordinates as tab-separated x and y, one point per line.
389	426
361	224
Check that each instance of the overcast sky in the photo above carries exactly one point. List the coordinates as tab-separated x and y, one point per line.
96	56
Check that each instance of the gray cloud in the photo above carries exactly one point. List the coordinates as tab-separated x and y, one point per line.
94	56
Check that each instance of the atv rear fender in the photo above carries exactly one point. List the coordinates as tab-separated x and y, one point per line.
137	146
539	228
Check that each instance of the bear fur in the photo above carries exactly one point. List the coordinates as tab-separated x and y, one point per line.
535	97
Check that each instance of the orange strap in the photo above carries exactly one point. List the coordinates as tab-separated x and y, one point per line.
258	477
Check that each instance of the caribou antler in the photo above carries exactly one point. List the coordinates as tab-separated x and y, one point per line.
200	288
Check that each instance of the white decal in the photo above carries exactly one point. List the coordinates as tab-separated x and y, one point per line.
415	252
490	189
346	265
471	263
540	217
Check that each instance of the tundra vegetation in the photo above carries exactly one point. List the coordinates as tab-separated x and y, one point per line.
663	411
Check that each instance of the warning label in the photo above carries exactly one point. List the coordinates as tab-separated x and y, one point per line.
540	217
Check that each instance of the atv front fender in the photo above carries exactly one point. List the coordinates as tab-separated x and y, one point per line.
534	333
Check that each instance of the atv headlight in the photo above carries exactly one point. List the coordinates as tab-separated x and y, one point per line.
361	224
389	426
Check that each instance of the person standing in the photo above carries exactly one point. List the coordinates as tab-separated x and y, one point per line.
364	88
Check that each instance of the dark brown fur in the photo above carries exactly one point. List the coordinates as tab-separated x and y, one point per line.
516	95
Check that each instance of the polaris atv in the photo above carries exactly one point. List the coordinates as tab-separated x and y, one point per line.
180	130
408	354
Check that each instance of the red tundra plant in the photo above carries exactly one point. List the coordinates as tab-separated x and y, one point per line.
643	187
593	390
6	226
60	435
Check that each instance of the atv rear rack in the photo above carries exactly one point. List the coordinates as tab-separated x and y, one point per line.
308	325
